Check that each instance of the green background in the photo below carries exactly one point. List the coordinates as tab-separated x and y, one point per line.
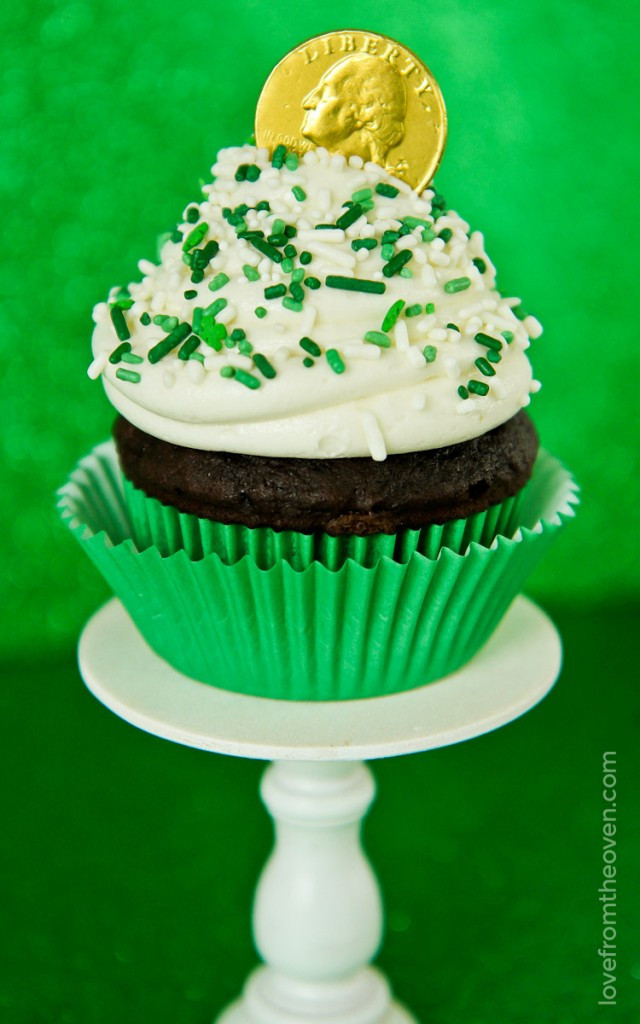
110	115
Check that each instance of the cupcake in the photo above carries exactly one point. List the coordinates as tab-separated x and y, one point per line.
330	488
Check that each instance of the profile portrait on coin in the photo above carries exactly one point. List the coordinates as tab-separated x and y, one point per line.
357	108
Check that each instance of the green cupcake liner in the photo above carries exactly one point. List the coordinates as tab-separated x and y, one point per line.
315	632
169	530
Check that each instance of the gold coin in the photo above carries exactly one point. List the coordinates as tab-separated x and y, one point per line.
359	94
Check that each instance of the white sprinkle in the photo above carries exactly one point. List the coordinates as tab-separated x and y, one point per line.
532	326
323	199
310	157
466	405
428	276
168	379
195	369
97	366
420	256
146	266
497	387
407	242
282	354
356	350
372	432
437	334
227	314
451	367
158	302
426	323
356	161
401	335
215	361
337	161
308	319
362	255
333	255
324	235
100	311
241	362
438	259
415	357
418	402
534	387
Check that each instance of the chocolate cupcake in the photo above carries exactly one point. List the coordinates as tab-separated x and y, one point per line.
320	377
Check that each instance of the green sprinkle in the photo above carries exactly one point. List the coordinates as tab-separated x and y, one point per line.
293	304
247	379
478	387
227	371
414	310
197	276
312	282
310	346
201	258
390	236
266	249
324	227
218	281
244	346
212	333
119	323
275	291
190	293
305	258
279	156
192	214
390	191
290	250
297	275
462	391
250	273
265	367
397	263
387	251
118	352
458	284
122	303
480	264
415	222
485	367
428	235
278	226
196	319
253	172
145	319
178	335
195	237
508	336
238	334
290	231
241	172
361	194
520	312
260	312
349	216
216	307
429	352
297	292
446	234
291	161
392	314
430	308
308	361
287	265
354	284
263	205
488	341
130	375
197	357
453	327
439	201
189	346
493	356
299	193
363	243
378	338
229	343
131	357
367	204
334	360
406	272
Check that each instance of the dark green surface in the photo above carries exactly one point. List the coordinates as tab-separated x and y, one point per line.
127	880
111	113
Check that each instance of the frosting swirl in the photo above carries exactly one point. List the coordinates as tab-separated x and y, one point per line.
316	309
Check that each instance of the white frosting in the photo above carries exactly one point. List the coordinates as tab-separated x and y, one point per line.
388	400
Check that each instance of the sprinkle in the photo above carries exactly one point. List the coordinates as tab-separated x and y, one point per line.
290	250
488	341
290	231
453	327
305	257
122	303
241	172
387	190
406	272
334	360
458	284
278	226
387	250
197	276
145	319
310	346
218	281
462	391
244	346
260	312
439	201
361	194
191	293
299	193
287	265
196	319
401	335
296	290
308	362
392	314
428	235
130	375
292	304
446	234
414	310
253	172
266	249
212	333
478	263
297	276
118	352
429	352
172	340
275	291
485	367
216	307
265	367
201	258
378	338
196	357
131	357
354	284
238	334
363	243
430	308
189	347
508	336
279	156
415	222
195	237
312	282
349	216
478	387
227	371
493	356
520	312
250	273
374	437
291	161
397	263
119	323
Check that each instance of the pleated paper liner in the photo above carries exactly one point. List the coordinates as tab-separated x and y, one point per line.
164	527
313	633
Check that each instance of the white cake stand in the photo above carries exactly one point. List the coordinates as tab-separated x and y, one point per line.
317	918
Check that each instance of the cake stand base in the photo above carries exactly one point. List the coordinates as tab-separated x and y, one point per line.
317	918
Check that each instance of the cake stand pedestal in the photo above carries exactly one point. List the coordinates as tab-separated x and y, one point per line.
317	918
